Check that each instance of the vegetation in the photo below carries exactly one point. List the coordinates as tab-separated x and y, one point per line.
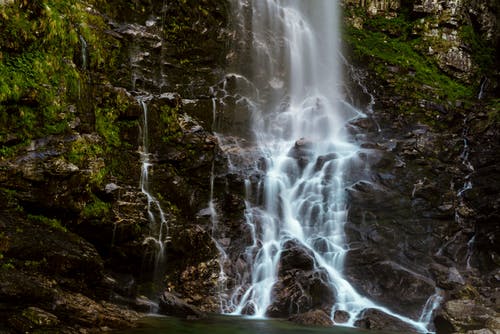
171	129
386	43
41	66
51	222
483	52
96	209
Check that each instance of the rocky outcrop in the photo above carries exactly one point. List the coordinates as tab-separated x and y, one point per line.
301	286
377	320
313	318
74	219
79	188
460	36
174	306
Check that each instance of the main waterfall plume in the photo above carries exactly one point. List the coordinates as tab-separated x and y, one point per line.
299	115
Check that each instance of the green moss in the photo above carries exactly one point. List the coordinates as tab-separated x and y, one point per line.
419	76
40	53
107	127
483	53
399	27
493	109
171	130
83	150
96	209
51	222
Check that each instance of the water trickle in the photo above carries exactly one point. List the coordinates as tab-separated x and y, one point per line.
214	217
464	157
158	222
83	42
430	306
484	83
299	123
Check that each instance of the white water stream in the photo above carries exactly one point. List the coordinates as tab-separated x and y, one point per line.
299	127
156	215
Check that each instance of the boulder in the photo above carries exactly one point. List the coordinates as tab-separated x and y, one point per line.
459	315
312	318
295	256
301	287
33	318
377	320
391	284
170	304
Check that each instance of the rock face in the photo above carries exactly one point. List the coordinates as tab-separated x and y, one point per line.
417	216
377	320
301	287
423	191
74	218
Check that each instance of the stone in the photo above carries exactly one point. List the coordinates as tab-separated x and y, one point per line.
390	283
170	304
480	331
299	290
295	256
111	188
377	320
460	314
341	317
312	318
33	318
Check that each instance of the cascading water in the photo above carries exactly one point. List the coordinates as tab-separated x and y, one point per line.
298	123
84	51
156	216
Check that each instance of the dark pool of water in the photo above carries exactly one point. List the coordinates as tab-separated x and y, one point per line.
232	325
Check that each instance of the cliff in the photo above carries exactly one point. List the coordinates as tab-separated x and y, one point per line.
74	218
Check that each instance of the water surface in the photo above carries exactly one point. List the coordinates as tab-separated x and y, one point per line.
233	325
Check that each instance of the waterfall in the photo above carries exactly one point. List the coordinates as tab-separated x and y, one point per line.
299	119
156	216
464	157
84	51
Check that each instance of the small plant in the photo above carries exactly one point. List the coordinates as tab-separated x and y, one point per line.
96	209
51	222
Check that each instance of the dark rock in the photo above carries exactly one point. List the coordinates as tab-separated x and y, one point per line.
78	309
377	320
300	286
322	159
312	318
460	315
341	317
295	256
173	305
33	318
369	193
390	283
301	152
18	287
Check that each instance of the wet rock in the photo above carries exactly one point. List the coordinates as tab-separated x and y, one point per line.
460	315
480	331
295	256
341	317
446	277
78	309
33	318
369	193
300	291
173	305
312	318
377	320
323	159
18	287
390	283
195	283
302	152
